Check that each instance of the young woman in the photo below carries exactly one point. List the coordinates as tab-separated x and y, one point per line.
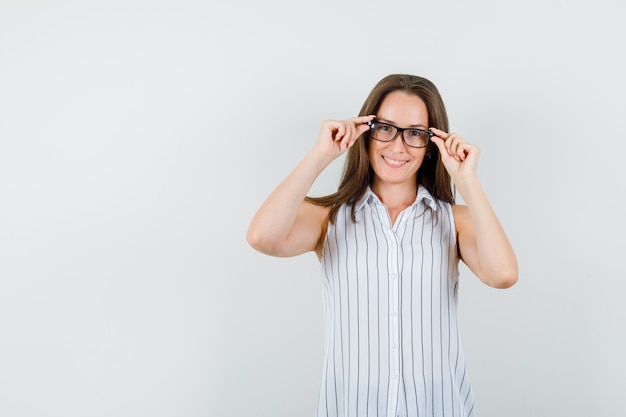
389	241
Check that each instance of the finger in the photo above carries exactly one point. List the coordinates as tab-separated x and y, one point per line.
363	119
362	128
348	136
358	126
464	149
340	133
356	132
454	144
459	146
440	133
445	140
443	150
332	127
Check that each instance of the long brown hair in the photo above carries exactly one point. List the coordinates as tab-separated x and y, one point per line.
357	171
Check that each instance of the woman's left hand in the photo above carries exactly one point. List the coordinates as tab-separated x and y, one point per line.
458	156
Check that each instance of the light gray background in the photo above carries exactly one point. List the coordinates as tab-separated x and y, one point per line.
137	138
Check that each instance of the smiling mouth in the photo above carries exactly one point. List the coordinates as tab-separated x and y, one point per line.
394	162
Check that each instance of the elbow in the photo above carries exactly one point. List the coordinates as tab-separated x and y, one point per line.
256	241
503	279
260	241
502	274
505	282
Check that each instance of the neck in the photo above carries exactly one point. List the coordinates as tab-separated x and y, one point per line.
397	196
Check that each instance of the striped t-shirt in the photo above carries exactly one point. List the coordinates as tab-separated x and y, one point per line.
390	300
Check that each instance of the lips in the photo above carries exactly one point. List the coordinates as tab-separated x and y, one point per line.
394	162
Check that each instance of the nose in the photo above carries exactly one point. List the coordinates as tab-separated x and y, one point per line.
398	145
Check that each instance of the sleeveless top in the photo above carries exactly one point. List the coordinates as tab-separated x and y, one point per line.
390	301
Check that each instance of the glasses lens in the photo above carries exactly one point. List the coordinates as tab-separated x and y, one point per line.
383	131
416	137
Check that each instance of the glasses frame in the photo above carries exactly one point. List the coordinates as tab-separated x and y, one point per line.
400	131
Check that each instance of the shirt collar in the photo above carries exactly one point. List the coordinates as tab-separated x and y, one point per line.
367	195
422	195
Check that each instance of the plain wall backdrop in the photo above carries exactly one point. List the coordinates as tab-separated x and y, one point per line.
138	138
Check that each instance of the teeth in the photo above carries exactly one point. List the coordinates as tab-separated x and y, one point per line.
394	162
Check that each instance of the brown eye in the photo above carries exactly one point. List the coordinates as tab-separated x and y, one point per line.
381	127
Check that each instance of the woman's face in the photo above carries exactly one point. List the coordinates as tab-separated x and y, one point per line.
393	162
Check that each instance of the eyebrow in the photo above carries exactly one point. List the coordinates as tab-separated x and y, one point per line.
418	126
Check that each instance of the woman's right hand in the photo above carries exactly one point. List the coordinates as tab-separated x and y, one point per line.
337	136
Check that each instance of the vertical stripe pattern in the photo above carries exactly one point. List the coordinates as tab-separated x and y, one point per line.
390	297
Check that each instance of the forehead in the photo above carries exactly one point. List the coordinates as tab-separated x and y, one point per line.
403	108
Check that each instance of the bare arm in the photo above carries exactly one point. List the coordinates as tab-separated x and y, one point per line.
287	225
483	244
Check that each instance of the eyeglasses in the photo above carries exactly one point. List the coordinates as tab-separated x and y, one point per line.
413	137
